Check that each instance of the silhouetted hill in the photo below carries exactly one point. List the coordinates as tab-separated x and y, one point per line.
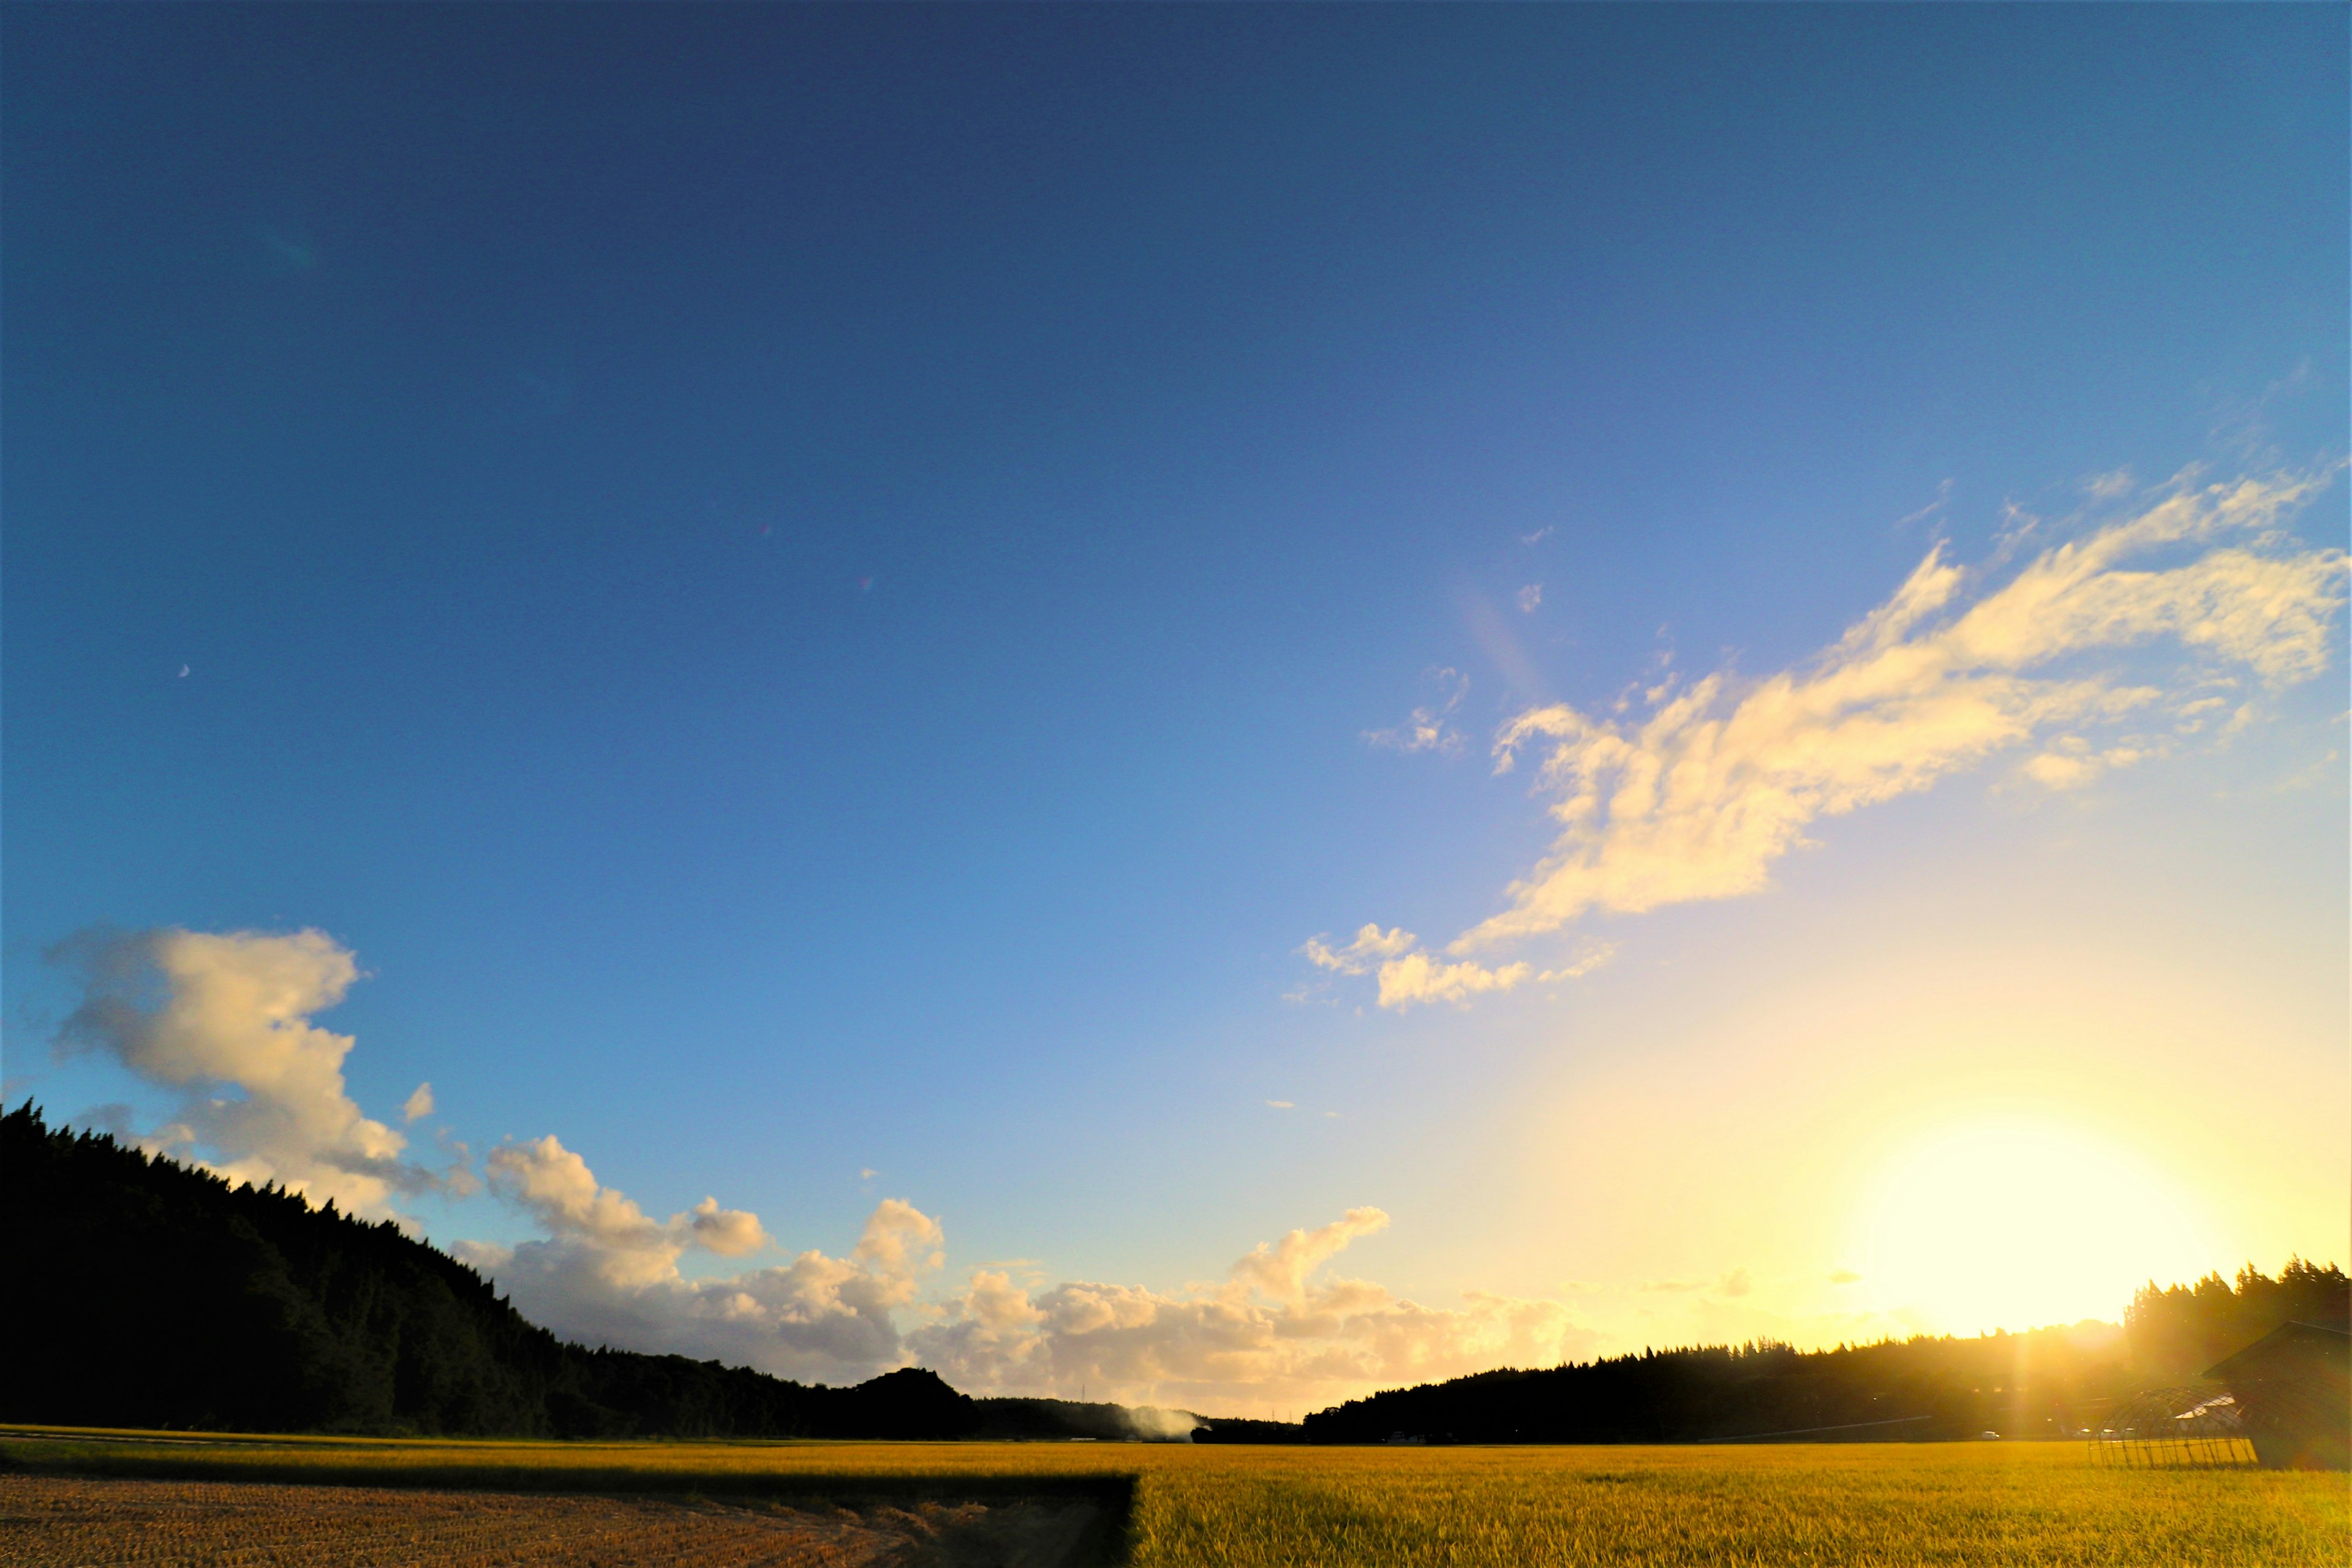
2023	1385
2047	1383
145	1293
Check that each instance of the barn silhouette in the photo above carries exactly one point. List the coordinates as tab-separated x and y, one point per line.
2294	1393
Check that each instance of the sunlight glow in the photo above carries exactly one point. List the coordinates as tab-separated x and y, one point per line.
2018	1225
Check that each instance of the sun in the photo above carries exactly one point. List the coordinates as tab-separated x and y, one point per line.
2019	1225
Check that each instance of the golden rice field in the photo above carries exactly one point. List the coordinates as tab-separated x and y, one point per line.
1886	1506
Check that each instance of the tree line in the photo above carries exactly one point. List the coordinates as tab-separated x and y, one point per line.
2043	1384
2177	1331
144	1292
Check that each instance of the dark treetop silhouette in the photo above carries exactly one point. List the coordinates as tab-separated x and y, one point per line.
147	1293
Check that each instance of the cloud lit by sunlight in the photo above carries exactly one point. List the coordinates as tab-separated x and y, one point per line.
1270	1331
607	1272
1724	777
224	1021
1407	976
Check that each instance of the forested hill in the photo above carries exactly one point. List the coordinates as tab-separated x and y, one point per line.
2048	1382
143	1293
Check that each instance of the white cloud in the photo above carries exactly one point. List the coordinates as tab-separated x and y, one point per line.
2072	761
1370	947
1529	597
608	1273
1270	1332
1539	535
1280	1268
1418	977
1427	729
224	1020
555	1186
418	1105
1701	798
1593	957
1408	977
227	1020
1283	1104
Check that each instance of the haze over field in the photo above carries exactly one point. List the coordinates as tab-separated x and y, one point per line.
1209	708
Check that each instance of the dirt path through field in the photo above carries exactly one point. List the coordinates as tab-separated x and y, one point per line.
57	1521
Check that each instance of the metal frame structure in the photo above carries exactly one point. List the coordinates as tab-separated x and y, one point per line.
2196	1427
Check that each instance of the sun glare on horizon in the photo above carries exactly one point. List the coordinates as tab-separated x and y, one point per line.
2020	1225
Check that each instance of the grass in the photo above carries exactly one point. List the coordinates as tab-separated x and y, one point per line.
1886	1506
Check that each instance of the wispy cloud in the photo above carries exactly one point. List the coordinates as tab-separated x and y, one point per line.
1408	977
1498	639
1934	508
1724	777
1429	728
1529	597
1370	947
2072	761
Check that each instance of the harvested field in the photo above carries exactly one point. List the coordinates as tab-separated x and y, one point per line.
54	1522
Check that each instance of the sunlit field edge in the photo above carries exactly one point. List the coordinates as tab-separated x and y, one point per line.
1832	1505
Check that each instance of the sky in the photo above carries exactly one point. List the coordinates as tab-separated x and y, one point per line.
1214	706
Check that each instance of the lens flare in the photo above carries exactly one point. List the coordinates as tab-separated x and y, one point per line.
2017	1226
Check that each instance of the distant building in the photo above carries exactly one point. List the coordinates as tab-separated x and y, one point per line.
2294	1392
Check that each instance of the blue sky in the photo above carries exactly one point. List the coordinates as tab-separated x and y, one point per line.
819	592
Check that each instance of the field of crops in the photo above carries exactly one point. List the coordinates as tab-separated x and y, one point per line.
71	1521
1888	1506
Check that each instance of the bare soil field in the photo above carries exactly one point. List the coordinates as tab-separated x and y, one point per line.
57	1521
